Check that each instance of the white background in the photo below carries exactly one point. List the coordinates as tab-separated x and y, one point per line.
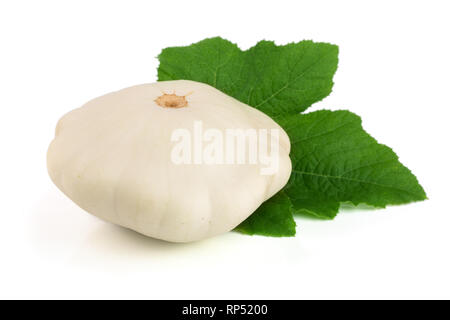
394	71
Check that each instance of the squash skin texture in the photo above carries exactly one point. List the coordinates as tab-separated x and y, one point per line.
112	157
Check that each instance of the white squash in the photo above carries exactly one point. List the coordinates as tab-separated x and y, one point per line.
113	158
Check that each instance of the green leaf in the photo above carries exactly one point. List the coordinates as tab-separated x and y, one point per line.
335	160
277	80
273	218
